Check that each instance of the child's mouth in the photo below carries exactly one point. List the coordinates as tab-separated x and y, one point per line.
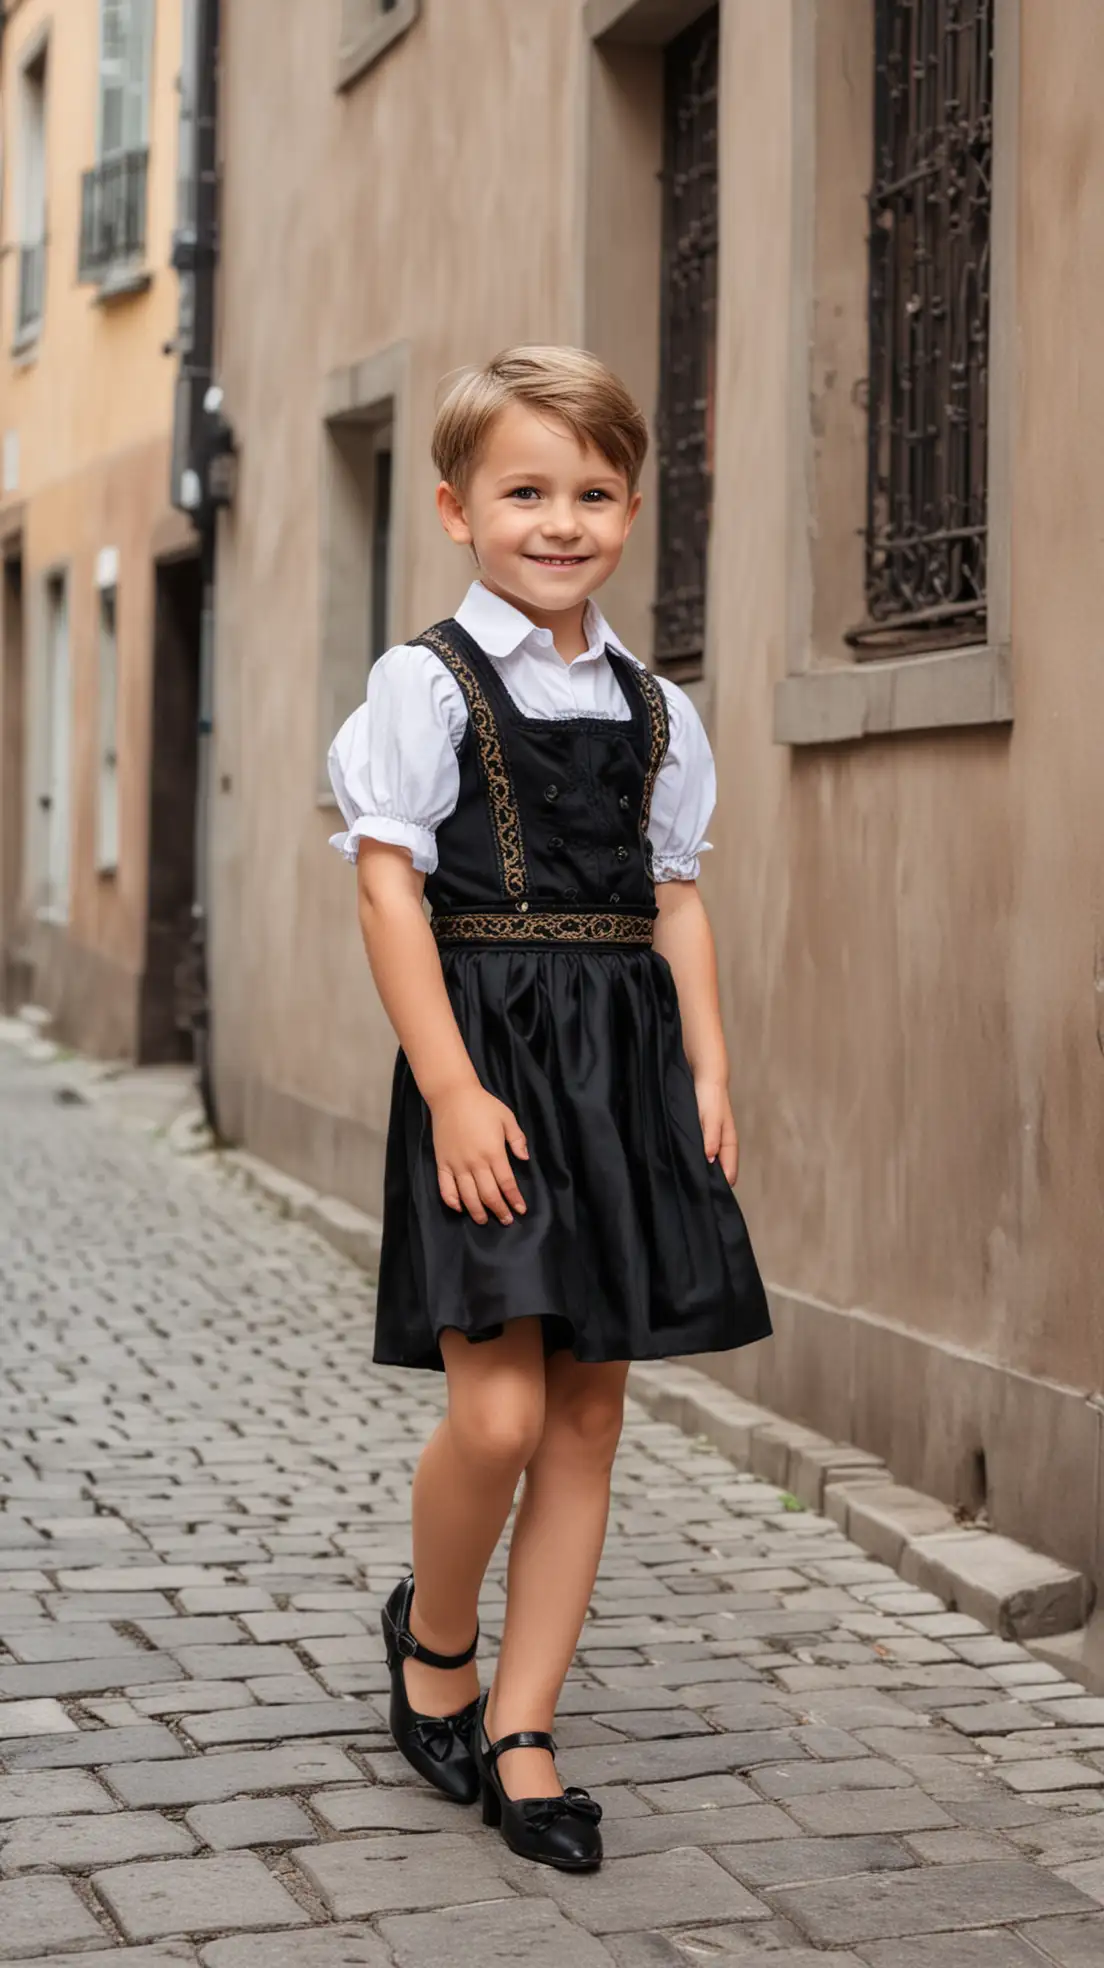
559	560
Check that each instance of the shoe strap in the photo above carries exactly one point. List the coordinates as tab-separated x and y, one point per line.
414	1650
522	1739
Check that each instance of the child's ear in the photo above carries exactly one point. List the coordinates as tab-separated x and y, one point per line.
453	517
634	506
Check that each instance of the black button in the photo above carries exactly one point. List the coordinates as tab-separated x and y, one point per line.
551	794
615	897
624	803
571	894
556	841
622	854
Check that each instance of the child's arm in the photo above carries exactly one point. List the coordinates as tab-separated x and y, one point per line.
471	1129
683	936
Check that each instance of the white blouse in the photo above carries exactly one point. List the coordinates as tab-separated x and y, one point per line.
393	764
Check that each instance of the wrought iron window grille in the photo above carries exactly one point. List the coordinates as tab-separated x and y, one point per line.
687	344
113	214
927	394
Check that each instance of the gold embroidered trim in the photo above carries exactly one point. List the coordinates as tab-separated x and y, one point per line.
660	722
543	926
500	786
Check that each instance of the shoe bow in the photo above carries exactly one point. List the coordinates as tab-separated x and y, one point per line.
542	1812
438	1734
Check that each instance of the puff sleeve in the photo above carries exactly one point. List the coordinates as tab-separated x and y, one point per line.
685	793
393	764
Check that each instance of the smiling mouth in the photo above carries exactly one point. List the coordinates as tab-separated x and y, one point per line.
559	560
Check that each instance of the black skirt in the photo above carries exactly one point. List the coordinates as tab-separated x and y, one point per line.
634	1246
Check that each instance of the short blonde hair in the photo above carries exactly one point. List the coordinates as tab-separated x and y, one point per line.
567	383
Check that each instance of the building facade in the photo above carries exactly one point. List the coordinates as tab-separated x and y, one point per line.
100	602
855	268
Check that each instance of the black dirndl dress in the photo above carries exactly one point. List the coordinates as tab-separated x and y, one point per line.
634	1246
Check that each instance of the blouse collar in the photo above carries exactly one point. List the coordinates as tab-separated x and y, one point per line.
501	629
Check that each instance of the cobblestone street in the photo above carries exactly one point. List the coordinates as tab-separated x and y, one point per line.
800	1758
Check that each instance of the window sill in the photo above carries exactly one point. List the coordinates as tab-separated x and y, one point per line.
24	348
358	54
944	691
119	282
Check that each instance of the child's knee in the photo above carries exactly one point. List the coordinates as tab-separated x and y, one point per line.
502	1432
589	1424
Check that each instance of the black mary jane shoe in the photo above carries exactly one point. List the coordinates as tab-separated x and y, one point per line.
554	1831
439	1747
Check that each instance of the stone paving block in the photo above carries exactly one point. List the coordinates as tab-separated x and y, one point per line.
33	1718
82	1677
42	1915
228	1894
861	1812
169	1954
356	1877
792	1861
936	1900
191	1697
981	1950
1018	1593
134	1578
80	1842
49	1794
712	1792
89	1640
204	1630
685	1757
1055	1773
251	1821
240	1663
224	1599
664	1831
1087	1875
806	1779
650	1725
91	1748
496	1936
1068	1943
74	1608
267	1628
325	1947
382	1808
662	1889
277	1724
213	1779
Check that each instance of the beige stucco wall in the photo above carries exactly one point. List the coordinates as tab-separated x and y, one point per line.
91	402
910	930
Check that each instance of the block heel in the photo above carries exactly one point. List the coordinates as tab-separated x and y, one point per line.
438	1747
554	1831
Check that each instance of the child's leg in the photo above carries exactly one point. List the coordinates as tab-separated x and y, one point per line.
557	1543
463	1489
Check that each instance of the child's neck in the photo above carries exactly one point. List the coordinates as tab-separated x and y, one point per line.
567	625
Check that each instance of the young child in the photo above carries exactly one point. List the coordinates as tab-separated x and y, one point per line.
558	1196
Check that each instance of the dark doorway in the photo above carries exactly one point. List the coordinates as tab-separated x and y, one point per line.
165	1029
13	969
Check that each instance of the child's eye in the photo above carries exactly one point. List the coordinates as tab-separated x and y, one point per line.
596	493
526	492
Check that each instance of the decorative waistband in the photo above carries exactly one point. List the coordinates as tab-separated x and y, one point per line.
545	926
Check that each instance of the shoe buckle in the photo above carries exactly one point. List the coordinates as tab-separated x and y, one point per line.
406	1644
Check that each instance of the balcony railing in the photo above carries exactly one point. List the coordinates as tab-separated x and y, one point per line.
32	282
113	214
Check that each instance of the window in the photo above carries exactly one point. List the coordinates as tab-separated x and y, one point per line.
930	217
32	247
107	787
53	723
687	344
361	514
113	194
368	28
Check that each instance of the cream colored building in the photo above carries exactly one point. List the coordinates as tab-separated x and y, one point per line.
883	414
100	611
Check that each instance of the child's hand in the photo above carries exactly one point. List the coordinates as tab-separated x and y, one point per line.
718	1127
471	1134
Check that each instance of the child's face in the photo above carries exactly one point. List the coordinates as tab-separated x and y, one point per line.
548	518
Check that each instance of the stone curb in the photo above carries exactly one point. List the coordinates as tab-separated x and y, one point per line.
350	1230
1018	1593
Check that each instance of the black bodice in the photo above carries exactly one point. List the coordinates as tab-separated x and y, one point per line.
552	812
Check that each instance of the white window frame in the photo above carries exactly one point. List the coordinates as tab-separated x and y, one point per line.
137	76
32	185
49	787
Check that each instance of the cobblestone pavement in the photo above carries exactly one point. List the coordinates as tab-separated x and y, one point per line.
801	1759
